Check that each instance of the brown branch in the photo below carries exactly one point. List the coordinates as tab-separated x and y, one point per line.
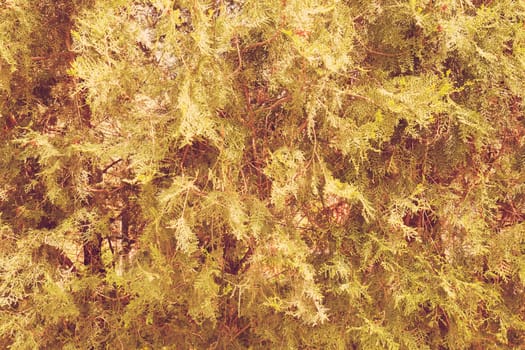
68	54
104	190
239	56
277	103
111	165
242	330
261	43
375	52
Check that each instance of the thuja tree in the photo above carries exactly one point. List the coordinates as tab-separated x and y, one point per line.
262	174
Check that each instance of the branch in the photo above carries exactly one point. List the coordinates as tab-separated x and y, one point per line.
68	54
375	52
277	103
111	165
261	43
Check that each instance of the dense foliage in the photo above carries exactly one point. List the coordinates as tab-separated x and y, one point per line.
281	174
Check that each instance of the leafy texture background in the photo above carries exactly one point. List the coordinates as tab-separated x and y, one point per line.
273	174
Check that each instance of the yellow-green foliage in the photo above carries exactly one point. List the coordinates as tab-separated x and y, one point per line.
272	174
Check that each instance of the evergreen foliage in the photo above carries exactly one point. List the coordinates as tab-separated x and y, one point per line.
272	174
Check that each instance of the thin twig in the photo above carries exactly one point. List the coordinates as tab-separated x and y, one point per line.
239	56
69	54
275	104
261	43
111	165
375	52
